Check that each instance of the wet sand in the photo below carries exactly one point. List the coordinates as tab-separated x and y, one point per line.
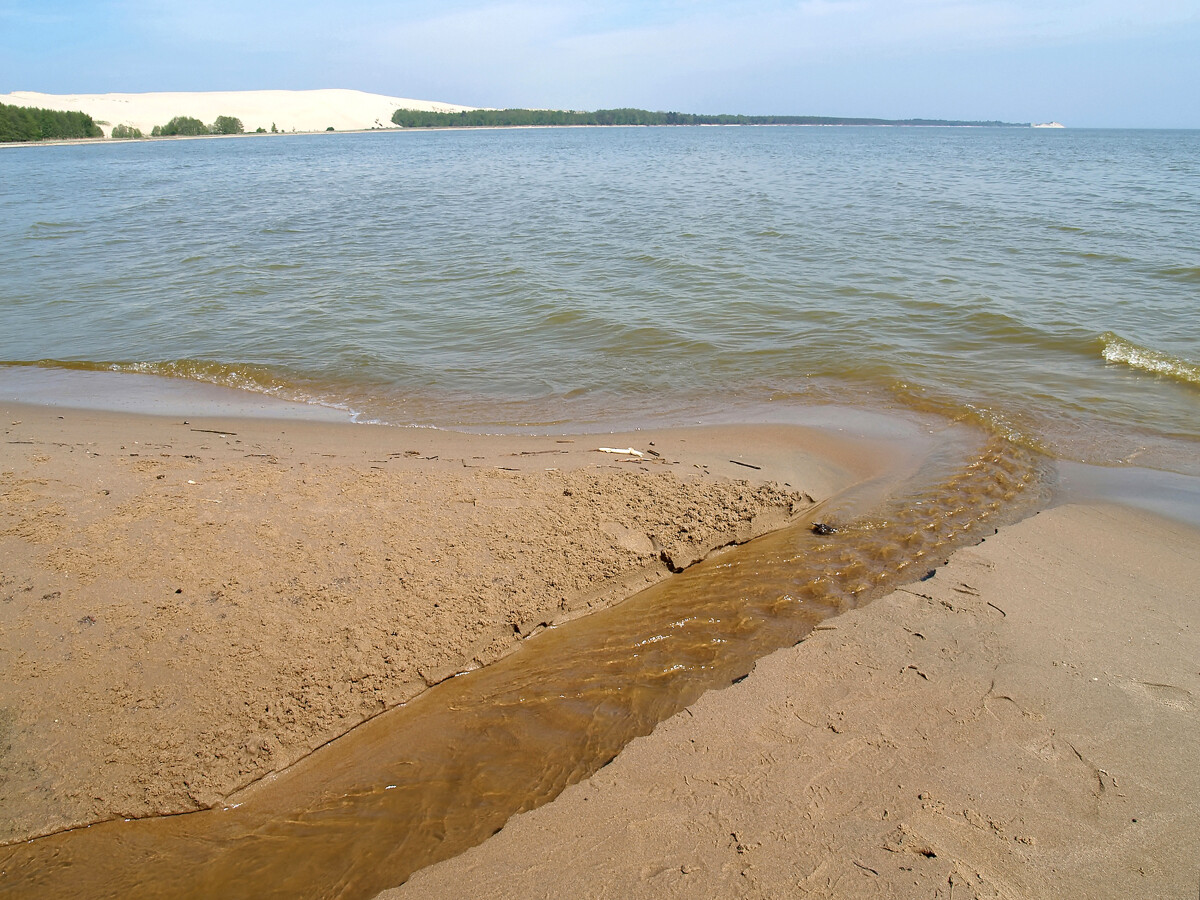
1023	724
187	605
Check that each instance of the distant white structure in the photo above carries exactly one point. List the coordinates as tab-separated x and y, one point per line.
1049	125
287	110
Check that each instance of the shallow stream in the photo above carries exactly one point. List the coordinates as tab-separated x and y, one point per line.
427	780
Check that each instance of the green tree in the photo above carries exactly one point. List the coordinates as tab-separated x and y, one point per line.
27	123
122	132
180	125
227	125
409	118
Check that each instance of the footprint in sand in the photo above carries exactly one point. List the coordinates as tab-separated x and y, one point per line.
1167	694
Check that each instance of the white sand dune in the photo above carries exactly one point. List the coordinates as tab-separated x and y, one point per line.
287	110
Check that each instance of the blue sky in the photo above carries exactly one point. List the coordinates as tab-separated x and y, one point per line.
1134	63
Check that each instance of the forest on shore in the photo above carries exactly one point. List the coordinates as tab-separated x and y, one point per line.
28	123
413	118
24	124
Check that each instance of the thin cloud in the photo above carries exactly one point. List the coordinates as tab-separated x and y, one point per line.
492	29
842	56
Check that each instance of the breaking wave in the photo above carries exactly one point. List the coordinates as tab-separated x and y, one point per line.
240	376
1119	350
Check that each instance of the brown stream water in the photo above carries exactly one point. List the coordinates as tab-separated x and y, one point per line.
427	780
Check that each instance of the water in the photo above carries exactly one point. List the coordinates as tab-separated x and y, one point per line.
1042	282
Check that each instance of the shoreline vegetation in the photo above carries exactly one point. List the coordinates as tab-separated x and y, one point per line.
24	124
31	124
191	127
20	124
526	118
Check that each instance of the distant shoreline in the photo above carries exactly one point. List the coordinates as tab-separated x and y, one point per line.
270	110
348	111
424	118
396	129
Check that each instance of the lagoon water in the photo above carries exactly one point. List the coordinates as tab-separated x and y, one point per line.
1043	282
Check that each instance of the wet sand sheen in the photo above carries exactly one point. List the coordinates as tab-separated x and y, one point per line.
1020	725
366	812
198	602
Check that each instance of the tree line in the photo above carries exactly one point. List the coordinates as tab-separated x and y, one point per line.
414	118
29	123
188	126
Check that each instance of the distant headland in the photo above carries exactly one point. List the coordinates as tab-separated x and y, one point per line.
498	118
30	116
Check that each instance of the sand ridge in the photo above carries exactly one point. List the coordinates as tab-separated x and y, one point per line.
187	605
343	110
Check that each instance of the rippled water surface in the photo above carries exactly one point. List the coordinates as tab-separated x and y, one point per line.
1045	281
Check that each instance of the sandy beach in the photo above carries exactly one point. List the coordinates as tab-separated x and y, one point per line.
1021	725
343	110
197	603
190	604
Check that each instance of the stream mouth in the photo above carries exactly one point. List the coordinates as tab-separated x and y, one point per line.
427	780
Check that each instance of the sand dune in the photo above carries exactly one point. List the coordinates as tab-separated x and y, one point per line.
287	110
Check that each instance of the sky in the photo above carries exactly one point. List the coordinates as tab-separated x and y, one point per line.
1086	63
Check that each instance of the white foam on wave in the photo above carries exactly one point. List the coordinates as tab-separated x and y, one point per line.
1119	350
159	388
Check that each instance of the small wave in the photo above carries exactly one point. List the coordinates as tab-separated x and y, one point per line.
241	377
1119	350
1182	273
51	231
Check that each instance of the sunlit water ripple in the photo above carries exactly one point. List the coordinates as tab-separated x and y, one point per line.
1045	282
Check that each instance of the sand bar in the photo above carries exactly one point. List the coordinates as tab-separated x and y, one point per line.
187	605
1022	725
318	110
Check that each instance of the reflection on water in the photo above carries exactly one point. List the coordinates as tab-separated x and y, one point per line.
425	781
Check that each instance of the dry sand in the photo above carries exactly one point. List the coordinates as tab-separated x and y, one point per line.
1022	725
186	606
287	110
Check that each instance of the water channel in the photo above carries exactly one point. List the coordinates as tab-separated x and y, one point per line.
427	780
